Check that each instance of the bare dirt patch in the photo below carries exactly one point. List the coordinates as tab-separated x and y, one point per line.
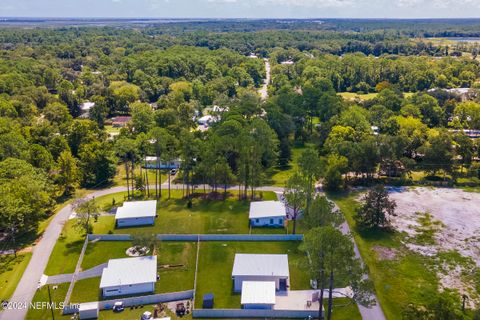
439	222
384	253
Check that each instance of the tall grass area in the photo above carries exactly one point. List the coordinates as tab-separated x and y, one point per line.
12	269
407	278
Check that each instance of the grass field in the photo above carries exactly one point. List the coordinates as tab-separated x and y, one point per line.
12	269
120	178
205	216
176	266
58	295
278	176
217	258
64	256
408	278
364	96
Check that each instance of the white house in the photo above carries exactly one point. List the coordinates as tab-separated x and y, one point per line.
129	276
267	214
152	163
206	120
261	267
258	294
136	213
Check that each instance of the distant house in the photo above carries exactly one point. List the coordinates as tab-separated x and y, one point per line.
267	214
120	122
205	120
151	163
261	267
258	294
136	213
85	109
129	276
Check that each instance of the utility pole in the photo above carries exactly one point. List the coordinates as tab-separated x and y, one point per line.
50	300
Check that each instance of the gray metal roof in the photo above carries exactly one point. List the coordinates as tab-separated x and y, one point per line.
129	271
260	265
137	209
266	209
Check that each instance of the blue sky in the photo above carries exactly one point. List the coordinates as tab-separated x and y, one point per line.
242	8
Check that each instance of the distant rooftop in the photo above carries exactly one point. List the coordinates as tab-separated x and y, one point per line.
265	209
260	265
137	209
129	271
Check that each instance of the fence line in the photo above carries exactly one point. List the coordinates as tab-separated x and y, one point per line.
203	237
252	313
77	270
141	300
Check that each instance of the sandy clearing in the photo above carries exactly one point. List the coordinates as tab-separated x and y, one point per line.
459	211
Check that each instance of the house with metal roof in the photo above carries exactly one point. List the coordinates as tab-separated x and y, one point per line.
267	214
258	295
261	267
136	213
129	276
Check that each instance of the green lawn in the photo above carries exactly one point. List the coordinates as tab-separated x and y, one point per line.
279	176
120	178
58	295
11	272
205	216
408	278
176	266
217	258
344	309
365	96
64	256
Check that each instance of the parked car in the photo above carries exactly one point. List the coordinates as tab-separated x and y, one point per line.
118	306
146	315
173	172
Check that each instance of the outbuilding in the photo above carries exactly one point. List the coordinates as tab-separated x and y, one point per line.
258	294
88	310
267	214
261	267
129	276
136	213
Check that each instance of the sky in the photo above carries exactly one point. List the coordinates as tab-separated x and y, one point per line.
242	8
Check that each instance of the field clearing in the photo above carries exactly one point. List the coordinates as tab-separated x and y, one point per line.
443	224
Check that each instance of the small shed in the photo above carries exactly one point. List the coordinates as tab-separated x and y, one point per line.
129	276
136	213
258	294
208	301
88	310
267	214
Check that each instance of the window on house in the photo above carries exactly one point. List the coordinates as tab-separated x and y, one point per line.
271	221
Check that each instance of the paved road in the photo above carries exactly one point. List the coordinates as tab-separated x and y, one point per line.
41	253
375	312
264	89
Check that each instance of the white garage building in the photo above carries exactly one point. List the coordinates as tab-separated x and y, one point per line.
261	267
258	294
267	214
136	213
129	276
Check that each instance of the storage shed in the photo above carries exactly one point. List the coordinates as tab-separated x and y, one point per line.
136	213
267	214
258	294
88	310
129	276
